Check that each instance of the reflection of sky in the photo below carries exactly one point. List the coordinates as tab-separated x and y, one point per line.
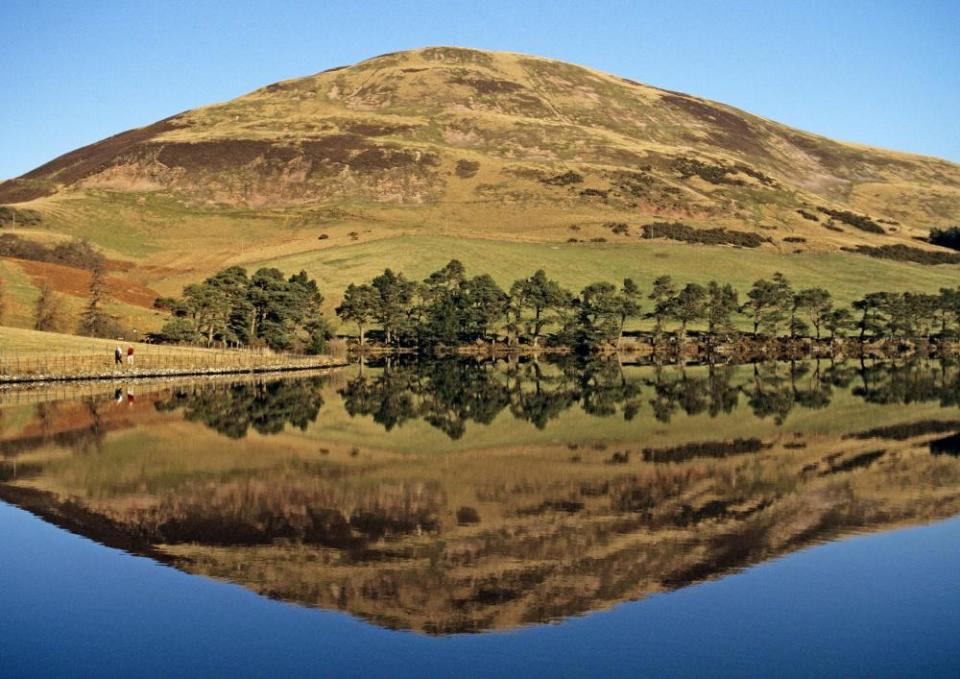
880	605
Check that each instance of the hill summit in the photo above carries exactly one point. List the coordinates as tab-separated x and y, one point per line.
466	146
410	127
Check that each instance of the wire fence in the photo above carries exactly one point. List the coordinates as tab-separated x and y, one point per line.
156	360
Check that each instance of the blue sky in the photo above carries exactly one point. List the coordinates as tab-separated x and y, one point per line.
880	73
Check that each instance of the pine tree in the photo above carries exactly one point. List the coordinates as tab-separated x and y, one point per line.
93	318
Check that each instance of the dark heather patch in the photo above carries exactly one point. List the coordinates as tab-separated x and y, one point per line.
358	154
375	129
949	445
709	449
905	253
217	155
902	432
830	154
862	460
488	85
467	516
20	191
467	168
565	179
729	130
715	236
379	158
565	506
855	220
83	162
337	148
457	54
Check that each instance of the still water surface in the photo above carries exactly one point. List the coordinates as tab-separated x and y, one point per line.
453	517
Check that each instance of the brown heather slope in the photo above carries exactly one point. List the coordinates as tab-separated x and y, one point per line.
456	142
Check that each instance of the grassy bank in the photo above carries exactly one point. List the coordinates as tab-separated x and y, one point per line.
30	354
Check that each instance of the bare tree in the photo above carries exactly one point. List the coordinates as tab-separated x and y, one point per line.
48	313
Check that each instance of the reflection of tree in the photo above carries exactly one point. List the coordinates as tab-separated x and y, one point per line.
388	397
602	387
448	393
769	393
265	406
912	382
538	398
714	393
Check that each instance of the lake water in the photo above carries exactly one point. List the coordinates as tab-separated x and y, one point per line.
486	519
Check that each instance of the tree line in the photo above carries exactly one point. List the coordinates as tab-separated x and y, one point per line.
232	308
449	307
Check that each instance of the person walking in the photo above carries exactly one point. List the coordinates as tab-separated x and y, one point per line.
130	355
118	356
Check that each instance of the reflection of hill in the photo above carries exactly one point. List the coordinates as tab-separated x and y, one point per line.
466	542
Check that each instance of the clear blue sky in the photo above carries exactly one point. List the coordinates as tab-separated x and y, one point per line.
880	72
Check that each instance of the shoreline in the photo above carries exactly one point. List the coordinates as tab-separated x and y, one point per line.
153	373
742	350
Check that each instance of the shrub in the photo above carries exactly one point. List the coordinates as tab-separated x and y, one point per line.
11	216
76	253
947	238
565	179
808	215
861	222
467	516
467	168
715	236
905	253
714	174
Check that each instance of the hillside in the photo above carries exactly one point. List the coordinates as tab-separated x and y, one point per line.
404	156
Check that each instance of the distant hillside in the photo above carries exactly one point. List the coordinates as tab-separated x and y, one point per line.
456	142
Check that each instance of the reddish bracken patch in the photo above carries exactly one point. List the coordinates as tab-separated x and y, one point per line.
76	282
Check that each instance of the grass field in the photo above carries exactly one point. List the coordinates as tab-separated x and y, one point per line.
848	277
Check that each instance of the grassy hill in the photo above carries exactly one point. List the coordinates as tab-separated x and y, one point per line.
501	159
